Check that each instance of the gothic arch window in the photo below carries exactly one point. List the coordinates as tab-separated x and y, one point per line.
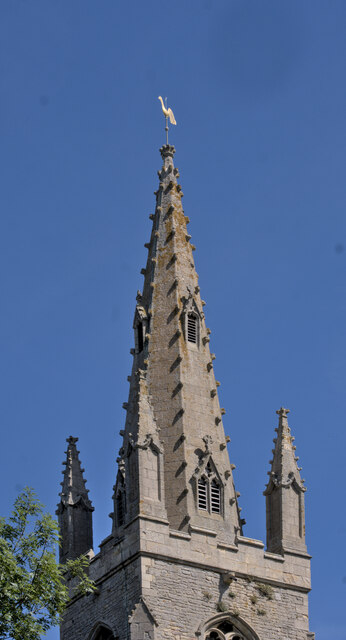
103	632
227	628
209	490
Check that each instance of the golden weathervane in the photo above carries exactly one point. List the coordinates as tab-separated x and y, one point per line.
168	113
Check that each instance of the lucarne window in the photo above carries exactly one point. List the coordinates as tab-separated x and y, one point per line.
192	328
140	336
120	506
209	491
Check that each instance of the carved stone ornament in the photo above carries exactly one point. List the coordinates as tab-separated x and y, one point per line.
208	441
121	466
189	303
206	461
280	483
144	443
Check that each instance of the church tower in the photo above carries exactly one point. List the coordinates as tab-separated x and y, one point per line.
177	565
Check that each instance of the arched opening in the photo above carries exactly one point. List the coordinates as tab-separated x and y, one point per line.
103	633
120	508
226	627
140	336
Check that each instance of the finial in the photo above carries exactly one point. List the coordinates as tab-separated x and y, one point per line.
283	412
71	440
167	151
168	113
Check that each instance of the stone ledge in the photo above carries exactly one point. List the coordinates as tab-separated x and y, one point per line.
274	556
179	534
206	532
299	554
227	547
147	517
105	540
153	519
250	542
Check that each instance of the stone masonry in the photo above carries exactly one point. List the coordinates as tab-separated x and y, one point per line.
176	565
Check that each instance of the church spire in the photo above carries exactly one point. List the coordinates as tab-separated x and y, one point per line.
175	366
74	509
285	494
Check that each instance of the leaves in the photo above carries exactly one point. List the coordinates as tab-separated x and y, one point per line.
33	590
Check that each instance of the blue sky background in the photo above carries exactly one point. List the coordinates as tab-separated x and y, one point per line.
258	91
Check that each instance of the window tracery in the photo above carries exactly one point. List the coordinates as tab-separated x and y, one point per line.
227	628
217	634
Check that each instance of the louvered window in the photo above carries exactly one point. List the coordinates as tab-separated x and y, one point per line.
192	328
202	494
215	501
209	491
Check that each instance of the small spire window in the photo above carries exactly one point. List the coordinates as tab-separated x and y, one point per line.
140	336
192	328
202	494
120	508
209	491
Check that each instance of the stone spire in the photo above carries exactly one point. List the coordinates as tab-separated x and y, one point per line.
74	509
285	494
173	378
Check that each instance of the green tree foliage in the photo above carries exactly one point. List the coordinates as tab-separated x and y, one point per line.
33	593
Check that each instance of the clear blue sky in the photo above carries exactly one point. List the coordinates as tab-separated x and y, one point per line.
258	90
